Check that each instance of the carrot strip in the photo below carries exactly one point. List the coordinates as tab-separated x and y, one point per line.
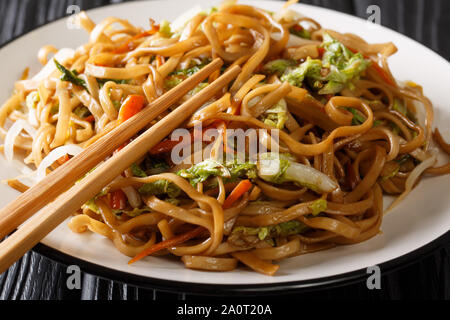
383	74
238	192
168	244
131	106
63	159
89	118
255	263
118	200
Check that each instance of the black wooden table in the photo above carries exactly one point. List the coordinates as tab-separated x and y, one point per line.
36	277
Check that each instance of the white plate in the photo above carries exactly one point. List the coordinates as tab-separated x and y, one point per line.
419	220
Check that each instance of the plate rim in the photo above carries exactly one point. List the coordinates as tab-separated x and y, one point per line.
213	289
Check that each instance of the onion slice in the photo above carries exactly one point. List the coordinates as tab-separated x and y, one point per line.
13	133
134	198
62	56
53	156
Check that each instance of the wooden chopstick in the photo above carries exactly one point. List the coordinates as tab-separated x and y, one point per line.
42	223
21	209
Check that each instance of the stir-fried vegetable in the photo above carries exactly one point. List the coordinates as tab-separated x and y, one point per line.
299	31
278	66
203	170
164	29
400	107
192	70
137	171
319	206
32	100
241	188
160	187
281	168
311	68
70	76
118	200
172	82
284	229
131	106
240	170
358	119
210	168
82	112
338	69
168	244
276	116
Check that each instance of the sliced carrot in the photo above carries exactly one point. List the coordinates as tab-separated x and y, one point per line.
173	242
131	106
89	118
297	27
238	192
383	74
118	200
160	60
63	159
321	52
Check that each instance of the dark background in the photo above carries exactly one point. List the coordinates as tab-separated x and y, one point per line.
36	277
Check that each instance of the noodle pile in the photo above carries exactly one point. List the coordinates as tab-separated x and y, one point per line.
341	129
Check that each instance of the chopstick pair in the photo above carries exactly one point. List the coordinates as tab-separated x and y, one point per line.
53	186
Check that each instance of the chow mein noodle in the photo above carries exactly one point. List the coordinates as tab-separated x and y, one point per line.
336	130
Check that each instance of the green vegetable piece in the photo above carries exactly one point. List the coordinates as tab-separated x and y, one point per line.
272	167
276	116
32	100
358	119
160	187
303	33
377	123
192	70
55	108
164	29
400	107
281	168
203	170
172	82
318	206
155	166
338	69
336	53
284	229
239	170
211	168
278	66
310	68
82	112
391	175
70	76
198	88
137	171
